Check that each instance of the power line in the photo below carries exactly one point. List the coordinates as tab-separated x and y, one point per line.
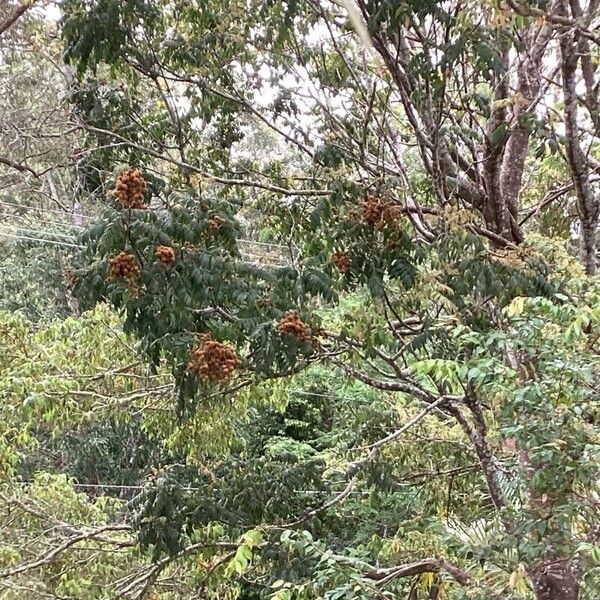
43	208
263	243
114	486
63	213
44	241
258	261
68	236
261	260
72	237
29	219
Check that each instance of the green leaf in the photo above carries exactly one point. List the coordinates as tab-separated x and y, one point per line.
499	133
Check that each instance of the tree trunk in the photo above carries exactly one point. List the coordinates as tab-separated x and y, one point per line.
555	581
587	202
529	78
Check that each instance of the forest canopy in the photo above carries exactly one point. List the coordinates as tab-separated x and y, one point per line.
298	300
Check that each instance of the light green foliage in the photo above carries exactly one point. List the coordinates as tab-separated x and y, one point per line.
39	510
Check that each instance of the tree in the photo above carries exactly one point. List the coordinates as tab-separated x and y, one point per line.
38	140
41	205
454	344
12	13
463	88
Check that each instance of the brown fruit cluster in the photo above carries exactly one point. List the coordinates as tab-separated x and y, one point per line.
292	323
342	261
71	278
216	223
391	213
130	189
151	594
123	266
265	301
372	210
134	289
165	256
378	213
213	361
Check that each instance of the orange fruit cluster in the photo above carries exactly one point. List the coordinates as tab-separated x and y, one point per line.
342	261
377	213
213	361
130	189
372	210
391	213
292	323
123	266
165	256
216	223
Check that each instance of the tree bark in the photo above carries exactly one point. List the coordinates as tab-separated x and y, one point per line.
556	581
494	212
587	201
529	75
14	16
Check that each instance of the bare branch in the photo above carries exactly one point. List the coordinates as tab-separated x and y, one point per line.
15	15
205	174
55	552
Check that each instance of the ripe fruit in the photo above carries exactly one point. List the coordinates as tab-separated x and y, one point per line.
372	210
165	256
130	189
213	361
292	324
216	223
151	594
342	261
123	266
134	289
71	278
391	213
377	213
265	301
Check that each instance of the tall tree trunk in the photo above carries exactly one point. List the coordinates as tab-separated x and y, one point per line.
587	201
529	76
494	212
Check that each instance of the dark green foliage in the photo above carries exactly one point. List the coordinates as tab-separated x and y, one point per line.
34	279
209	287
106	453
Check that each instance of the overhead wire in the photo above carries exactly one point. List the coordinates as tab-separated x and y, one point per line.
37	231
4	218
76	226
113	486
44	209
255	262
42	240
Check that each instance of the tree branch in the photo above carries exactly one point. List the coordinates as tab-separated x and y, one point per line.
15	15
55	552
557	19
427	565
205	174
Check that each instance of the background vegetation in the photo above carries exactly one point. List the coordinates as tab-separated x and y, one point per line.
299	300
